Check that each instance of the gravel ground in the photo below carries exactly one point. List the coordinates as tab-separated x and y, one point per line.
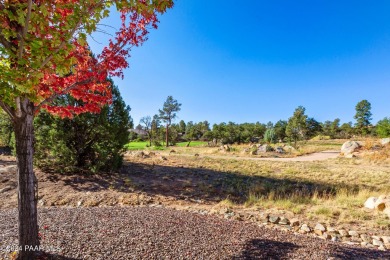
158	233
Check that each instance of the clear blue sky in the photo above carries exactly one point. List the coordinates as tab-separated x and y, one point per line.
248	61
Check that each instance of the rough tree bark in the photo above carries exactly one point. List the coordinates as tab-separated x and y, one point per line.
27	182
166	136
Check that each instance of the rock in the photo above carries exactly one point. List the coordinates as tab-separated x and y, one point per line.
264	148
5	189
382	202
279	149
326	236
139	154
365	238
382	248
365	244
79	203
386	239
305	229
7	169
377	242
264	218
163	158
370	203
335	239
353	233
350	156
274	219
289	148
284	221
294	222
320	227
343	233
385	141
387	211
350	147
331	231
41	202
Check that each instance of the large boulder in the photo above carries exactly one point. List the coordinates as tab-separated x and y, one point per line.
382	203
370	203
279	149
385	141
264	148
350	147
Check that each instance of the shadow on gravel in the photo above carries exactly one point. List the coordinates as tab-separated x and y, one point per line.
359	253
267	249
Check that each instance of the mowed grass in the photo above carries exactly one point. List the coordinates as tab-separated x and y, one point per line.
192	144
136	145
143	145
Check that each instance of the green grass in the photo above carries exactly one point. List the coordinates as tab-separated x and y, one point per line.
192	144
143	145
136	145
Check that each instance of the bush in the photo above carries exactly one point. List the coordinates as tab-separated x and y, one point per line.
383	127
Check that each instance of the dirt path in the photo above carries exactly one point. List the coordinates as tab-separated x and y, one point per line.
320	156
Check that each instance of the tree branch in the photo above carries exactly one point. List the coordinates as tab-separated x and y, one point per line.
25	29
65	91
7	109
48	58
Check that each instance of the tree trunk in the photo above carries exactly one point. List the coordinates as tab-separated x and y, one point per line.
27	182
166	136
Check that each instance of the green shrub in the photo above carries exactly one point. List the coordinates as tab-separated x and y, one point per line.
93	142
383	127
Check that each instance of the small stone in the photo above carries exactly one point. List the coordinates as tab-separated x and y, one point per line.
294	222
353	233
377	242
41	202
326	236
274	219
365	238
331	231
386	239
305	228
335	239
376	237
364	244
343	233
79	203
264	218
382	248
320	227
284	221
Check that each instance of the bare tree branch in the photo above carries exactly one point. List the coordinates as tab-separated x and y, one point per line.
25	29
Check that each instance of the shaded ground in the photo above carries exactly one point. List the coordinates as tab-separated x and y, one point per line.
158	233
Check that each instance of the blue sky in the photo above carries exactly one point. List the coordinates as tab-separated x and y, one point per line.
248	61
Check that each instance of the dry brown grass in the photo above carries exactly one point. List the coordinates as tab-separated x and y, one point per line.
331	191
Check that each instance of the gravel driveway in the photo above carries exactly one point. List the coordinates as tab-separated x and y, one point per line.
158	233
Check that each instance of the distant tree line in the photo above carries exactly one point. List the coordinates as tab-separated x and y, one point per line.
296	128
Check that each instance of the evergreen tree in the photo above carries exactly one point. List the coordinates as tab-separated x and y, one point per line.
296	128
88	141
168	114
363	117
